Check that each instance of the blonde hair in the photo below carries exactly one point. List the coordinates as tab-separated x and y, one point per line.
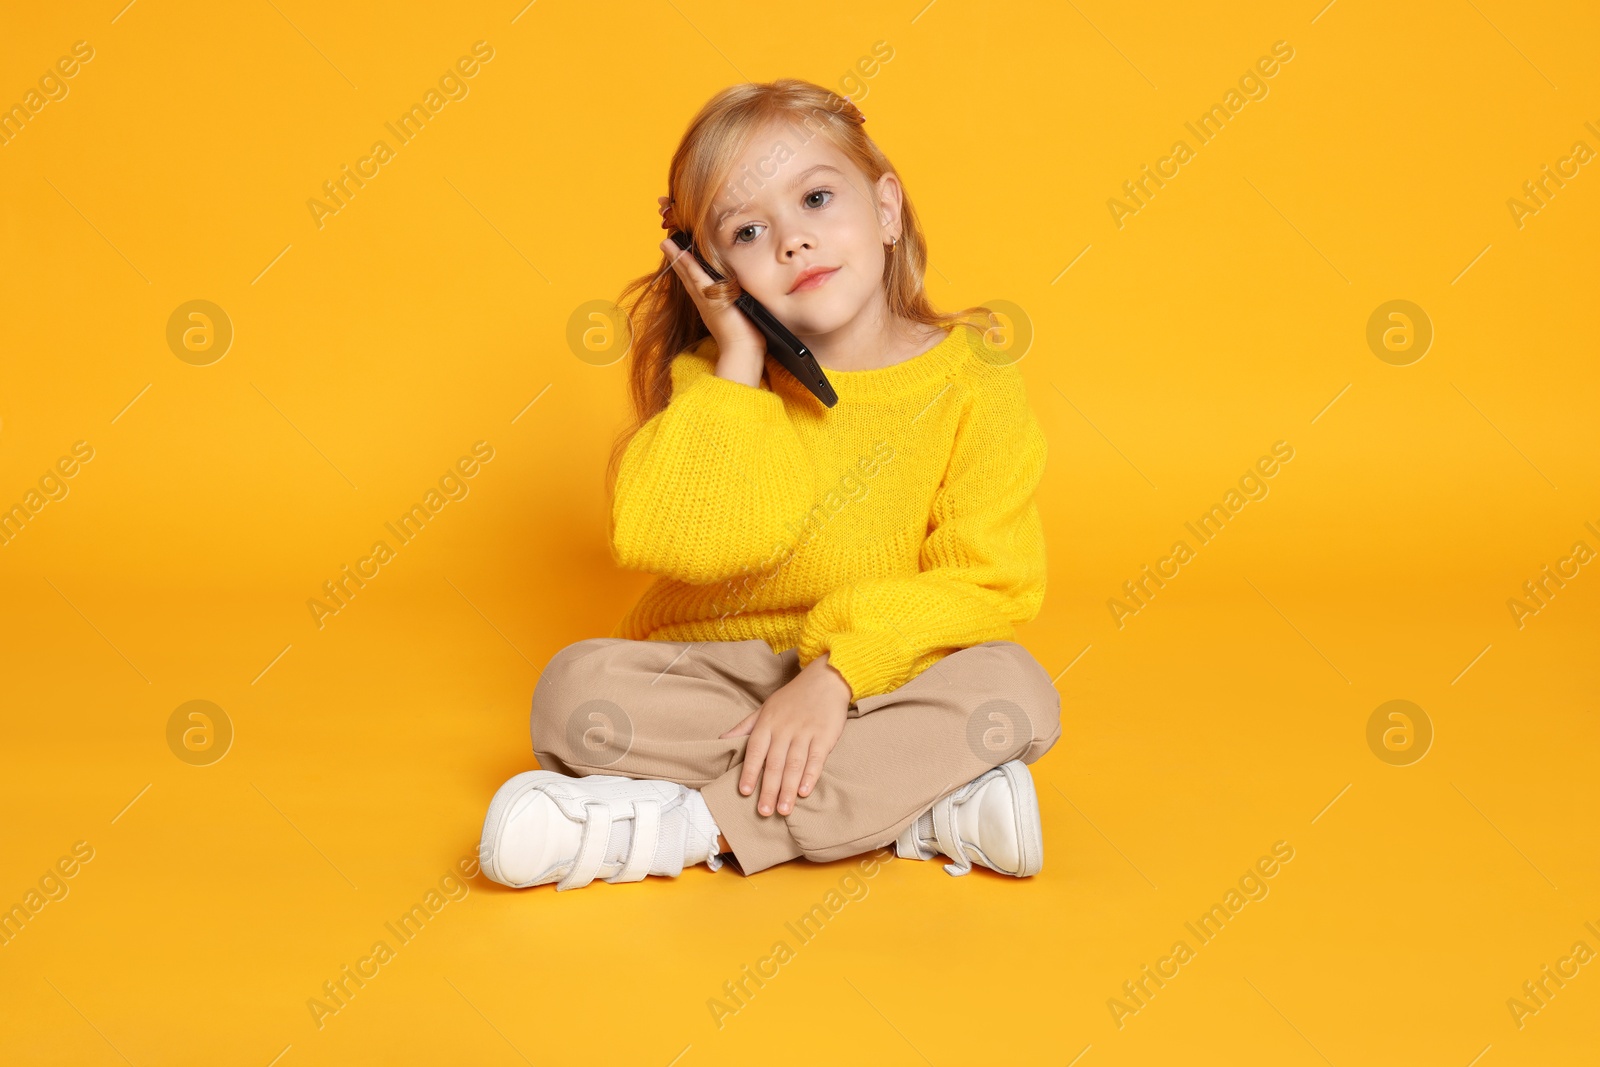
664	320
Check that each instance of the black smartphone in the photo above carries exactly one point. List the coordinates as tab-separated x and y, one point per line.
782	345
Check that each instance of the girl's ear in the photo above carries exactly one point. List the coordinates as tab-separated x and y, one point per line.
889	198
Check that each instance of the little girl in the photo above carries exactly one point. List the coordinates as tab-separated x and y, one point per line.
823	664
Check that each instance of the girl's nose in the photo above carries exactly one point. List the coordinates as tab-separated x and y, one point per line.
797	237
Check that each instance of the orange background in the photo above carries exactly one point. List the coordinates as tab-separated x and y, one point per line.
432	312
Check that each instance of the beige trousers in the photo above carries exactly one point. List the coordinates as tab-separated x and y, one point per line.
653	709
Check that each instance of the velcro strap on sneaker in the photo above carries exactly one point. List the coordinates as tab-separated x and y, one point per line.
596	832
906	845
642	850
944	832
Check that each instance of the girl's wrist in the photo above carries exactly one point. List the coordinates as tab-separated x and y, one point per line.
741	366
833	674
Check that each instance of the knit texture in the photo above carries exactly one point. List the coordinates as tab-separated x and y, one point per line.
888	531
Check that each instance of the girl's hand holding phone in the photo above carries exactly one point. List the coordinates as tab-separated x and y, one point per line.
792	734
740	346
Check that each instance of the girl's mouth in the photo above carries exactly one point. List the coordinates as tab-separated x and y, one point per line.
814	281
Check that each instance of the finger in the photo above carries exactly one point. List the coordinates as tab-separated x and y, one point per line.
772	775
793	765
814	762
743	726
687	267
754	752
682	264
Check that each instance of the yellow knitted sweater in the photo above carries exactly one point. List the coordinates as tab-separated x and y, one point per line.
888	531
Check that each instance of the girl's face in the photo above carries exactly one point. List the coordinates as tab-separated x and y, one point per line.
795	203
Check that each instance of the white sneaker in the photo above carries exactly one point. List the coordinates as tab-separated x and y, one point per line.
548	827
993	819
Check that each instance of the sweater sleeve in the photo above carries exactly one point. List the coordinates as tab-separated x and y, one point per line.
714	484
982	565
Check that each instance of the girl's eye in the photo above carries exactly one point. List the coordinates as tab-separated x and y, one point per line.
738	235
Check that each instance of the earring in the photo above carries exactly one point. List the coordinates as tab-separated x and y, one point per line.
893	241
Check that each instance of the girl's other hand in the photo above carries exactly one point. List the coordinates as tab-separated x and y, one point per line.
741	348
792	734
